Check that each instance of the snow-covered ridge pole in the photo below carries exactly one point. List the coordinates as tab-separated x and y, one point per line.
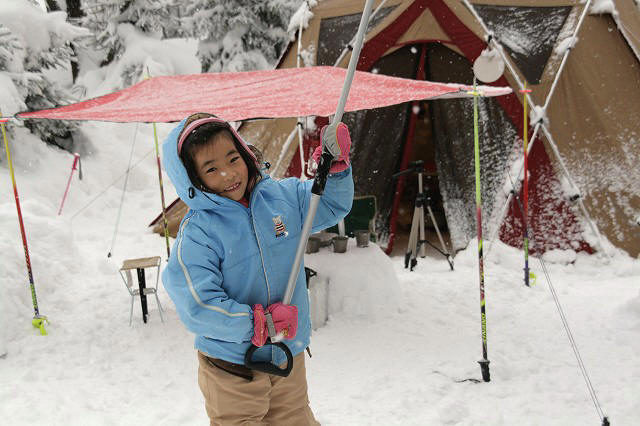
541	115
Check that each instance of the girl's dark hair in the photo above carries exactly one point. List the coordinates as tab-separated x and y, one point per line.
202	136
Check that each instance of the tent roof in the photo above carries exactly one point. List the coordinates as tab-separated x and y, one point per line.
238	96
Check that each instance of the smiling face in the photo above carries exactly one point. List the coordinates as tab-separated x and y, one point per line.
221	168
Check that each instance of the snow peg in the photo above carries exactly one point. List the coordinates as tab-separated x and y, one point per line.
484	368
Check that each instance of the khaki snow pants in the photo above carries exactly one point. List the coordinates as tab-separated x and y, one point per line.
231	399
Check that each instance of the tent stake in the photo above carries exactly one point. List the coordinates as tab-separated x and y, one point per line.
38	319
76	158
484	362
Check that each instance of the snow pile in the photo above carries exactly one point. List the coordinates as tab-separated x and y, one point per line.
560	256
362	282
599	7
566	44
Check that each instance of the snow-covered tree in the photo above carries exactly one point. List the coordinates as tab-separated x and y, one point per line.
155	18
34	45
238	35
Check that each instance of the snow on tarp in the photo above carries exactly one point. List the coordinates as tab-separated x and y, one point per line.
235	96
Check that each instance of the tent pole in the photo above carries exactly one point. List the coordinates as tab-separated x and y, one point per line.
344	52
484	362
316	193
592	225
165	224
320	180
285	148
38	319
303	176
540	123
525	213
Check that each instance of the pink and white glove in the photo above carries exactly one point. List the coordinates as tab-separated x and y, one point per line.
260	333
285	321
338	142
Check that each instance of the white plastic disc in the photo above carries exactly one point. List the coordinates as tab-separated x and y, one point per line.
488	67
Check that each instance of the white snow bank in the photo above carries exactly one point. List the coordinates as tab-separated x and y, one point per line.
407	335
362	282
560	256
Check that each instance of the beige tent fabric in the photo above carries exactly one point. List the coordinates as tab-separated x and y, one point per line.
174	214
595	121
628	21
594	115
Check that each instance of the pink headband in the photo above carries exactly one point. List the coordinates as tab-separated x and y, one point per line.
199	122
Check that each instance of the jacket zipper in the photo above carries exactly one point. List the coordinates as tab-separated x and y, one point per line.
255	232
264	269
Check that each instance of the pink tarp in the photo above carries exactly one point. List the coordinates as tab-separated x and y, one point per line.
292	92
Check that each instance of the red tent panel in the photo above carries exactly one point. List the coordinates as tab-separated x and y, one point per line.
236	96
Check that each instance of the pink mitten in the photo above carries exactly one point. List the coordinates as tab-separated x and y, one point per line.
285	319
338	142
259	326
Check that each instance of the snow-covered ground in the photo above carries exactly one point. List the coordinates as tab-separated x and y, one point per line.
392	353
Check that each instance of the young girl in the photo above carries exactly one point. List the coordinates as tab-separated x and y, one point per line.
231	262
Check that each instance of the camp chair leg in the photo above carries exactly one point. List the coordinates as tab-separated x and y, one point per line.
131	312
159	307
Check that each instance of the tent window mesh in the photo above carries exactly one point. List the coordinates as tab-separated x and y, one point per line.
336	33
378	137
453	139
529	34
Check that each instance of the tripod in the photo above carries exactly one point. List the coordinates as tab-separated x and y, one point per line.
417	225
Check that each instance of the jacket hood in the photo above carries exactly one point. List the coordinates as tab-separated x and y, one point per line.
195	198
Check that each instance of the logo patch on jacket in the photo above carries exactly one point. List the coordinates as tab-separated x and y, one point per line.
281	230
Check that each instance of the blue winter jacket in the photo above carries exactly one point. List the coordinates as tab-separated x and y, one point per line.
228	257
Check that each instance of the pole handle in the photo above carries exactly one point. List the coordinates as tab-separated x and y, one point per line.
267	367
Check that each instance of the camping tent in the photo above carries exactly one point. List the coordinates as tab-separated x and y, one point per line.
593	116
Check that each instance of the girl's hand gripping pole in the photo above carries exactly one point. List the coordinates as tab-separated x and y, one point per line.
317	189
